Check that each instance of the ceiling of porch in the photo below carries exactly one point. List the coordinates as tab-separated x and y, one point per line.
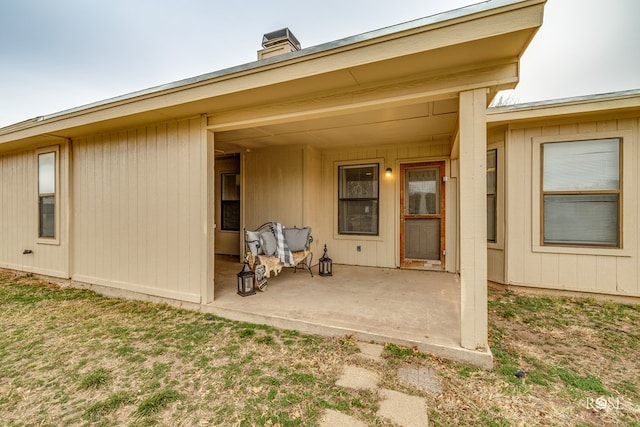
420	122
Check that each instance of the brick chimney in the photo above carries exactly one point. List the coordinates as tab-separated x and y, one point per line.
277	43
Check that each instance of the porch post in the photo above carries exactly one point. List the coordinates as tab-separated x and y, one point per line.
473	219
208	215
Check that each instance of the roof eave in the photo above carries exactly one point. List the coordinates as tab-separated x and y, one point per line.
17	131
564	107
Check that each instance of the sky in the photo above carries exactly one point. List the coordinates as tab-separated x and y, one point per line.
61	54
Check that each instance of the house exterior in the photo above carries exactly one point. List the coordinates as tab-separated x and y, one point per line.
569	181
138	193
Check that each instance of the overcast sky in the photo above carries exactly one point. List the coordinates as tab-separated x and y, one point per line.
60	54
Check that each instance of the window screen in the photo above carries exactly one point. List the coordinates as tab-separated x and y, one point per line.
492	194
46	195
358	199
230	201
581	192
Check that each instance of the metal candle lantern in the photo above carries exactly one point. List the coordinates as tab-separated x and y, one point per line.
246	284
325	265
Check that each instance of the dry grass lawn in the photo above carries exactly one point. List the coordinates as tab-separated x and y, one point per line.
72	357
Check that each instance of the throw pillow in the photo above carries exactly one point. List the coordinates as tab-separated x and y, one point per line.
297	238
268	241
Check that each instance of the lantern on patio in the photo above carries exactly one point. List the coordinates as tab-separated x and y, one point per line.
246	278
325	265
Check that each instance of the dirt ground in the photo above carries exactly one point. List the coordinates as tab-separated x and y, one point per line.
71	357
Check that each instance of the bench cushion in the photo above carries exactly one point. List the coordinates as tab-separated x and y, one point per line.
297	238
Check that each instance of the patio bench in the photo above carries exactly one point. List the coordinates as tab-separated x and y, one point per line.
275	246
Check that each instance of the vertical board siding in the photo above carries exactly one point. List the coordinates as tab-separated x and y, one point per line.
601	273
19	215
382	250
495	265
296	186
312	188
138	210
516	193
273	179
495	251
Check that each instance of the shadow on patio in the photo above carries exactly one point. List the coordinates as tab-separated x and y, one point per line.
406	307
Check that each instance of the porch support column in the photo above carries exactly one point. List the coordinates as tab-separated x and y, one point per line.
473	219
208	185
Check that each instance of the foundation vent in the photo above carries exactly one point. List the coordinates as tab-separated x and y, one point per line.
277	43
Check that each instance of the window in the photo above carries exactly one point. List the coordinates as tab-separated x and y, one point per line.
47	195
581	193
230	201
492	195
358	199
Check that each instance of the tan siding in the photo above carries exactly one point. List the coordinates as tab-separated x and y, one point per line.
600	272
382	250
138	210
495	265
587	273
273	182
567	270
312	187
516	195
296	187
19	215
495	250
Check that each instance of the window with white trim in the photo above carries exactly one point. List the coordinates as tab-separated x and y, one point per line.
358	197
492	195
230	201
581	193
47	173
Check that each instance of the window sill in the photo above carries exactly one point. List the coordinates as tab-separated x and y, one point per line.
357	237
52	242
582	251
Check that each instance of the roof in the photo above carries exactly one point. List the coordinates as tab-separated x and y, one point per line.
494	41
565	107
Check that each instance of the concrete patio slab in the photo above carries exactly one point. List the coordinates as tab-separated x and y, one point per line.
412	308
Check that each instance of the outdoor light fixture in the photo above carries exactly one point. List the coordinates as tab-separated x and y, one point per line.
388	172
325	265
246	278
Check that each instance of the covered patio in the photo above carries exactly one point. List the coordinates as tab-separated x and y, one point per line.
347	138
412	308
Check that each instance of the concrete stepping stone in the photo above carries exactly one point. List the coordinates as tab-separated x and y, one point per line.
422	377
402	409
332	418
370	351
358	378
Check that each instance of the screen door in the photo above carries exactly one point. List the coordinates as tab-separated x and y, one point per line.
422	215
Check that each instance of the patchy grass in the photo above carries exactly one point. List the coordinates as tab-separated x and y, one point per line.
71	357
95	379
156	402
113	402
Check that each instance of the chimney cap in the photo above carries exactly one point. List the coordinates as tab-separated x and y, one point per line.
279	36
